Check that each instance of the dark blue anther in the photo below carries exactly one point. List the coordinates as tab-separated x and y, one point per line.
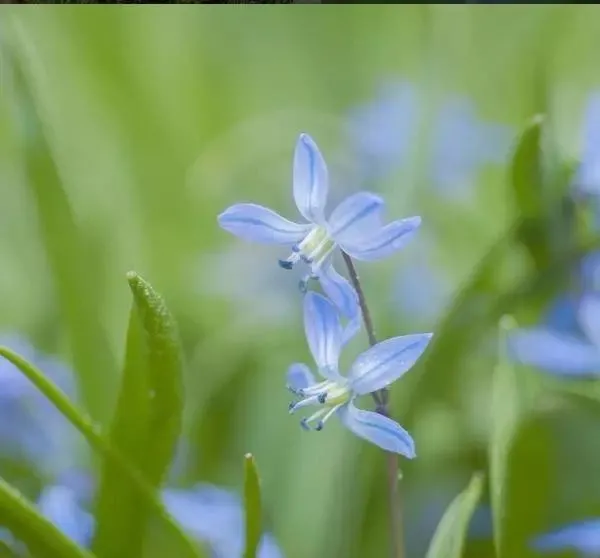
291	406
322	398
304	424
286	264
319	426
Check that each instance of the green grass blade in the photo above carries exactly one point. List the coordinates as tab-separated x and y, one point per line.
72	262
253	506
92	433
39	534
146	424
449	537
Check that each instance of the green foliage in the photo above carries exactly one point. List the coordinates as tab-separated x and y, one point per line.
146	425
94	437
449	538
252	505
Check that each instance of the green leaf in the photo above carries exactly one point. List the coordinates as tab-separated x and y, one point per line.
449	537
146	424
91	432
39	534
513	393
253	507
75	267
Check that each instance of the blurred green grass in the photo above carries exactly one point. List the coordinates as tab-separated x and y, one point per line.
159	118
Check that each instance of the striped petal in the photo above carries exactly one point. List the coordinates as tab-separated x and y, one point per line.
385	362
377	429
342	294
311	182
299	377
381	244
357	217
259	224
323	333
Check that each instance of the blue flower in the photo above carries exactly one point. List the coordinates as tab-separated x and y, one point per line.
461	144
583	536
31	429
215	516
587	178
373	370
64	504
383	129
561	351
354	225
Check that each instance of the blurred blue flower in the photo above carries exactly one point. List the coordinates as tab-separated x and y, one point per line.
559	351
382	130
31	429
215	516
64	503
373	370
461	144
587	177
583	536
354	225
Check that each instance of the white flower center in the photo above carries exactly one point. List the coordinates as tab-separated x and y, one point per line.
314	250
328	395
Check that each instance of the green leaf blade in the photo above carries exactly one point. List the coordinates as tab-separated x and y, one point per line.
92	433
41	536
146	424
449	538
252	506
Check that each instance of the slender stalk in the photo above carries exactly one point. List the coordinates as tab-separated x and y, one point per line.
381	402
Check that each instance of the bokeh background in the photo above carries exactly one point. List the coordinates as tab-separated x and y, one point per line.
159	118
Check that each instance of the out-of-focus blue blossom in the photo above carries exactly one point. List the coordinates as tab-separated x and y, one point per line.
373	370
31	429
383	130
211	515
461	144
63	504
216	517
355	225
559	351
583	537
420	291
587	178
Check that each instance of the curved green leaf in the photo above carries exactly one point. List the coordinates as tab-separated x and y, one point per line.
146	424
449	537
512	395
253	506
39	534
92	433
71	258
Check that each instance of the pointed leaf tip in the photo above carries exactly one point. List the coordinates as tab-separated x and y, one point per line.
253	506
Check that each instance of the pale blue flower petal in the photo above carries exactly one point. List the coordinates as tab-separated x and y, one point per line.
385	362
61	506
587	178
385	242
342	294
554	352
377	429
583	536
589	318
311	182
259	224
356	217
299	377
323	333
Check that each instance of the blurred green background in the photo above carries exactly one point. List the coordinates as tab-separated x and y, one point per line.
158	118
